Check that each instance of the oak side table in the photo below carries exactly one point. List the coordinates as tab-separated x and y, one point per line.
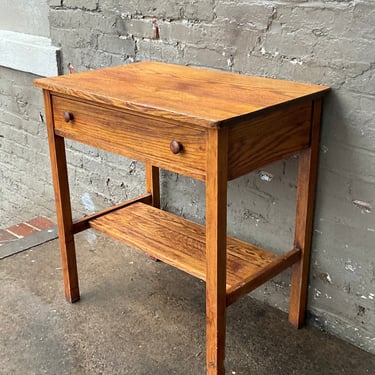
209	125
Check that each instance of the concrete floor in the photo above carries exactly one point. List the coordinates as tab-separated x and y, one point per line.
140	317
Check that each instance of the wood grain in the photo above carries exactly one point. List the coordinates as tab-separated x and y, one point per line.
181	243
63	206
307	176
273	268
84	222
267	138
132	136
189	95
153	183
216	250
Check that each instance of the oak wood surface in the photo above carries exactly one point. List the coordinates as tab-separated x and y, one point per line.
272	269
307	177
216	249
84	222
63	206
132	136
153	183
203	97
181	243
267	138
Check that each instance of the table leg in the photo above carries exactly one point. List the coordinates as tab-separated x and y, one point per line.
216	233
307	176
63	207
153	187
153	184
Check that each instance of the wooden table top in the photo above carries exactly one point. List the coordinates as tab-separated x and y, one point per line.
197	96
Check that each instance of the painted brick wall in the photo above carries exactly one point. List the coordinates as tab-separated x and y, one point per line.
327	42
25	179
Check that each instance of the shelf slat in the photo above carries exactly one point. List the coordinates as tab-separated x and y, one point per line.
181	243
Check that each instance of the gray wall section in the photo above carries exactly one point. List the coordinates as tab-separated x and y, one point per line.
25	16
324	42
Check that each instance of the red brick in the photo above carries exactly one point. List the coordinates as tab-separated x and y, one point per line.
41	222
21	230
6	236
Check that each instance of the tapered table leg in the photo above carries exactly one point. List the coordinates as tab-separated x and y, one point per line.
153	187
153	183
63	207
307	176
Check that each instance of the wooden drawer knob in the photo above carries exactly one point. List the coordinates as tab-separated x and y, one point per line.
176	147
68	116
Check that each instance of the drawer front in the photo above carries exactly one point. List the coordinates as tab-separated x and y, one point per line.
141	138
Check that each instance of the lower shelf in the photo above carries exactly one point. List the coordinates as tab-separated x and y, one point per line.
181	243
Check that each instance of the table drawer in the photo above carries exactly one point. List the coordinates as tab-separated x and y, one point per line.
141	138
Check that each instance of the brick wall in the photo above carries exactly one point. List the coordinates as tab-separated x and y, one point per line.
327	42
25	179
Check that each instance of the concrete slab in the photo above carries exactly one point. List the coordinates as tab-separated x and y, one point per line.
16	50
140	317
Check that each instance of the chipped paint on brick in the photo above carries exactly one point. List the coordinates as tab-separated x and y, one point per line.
364	206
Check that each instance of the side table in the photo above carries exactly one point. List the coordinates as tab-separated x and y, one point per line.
209	125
